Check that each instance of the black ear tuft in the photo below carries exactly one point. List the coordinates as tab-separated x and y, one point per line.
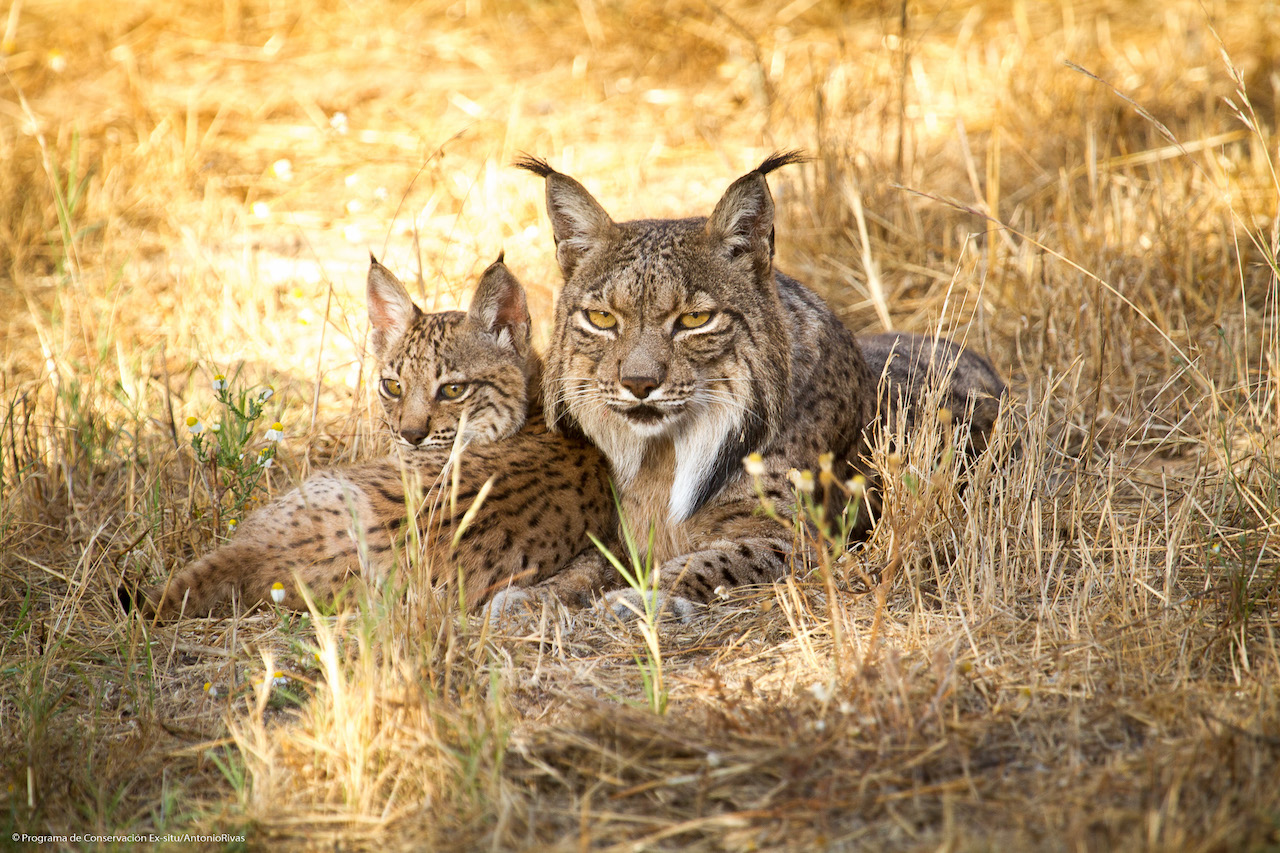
536	165
778	159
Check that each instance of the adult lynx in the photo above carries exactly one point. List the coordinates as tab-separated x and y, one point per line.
439	375
679	350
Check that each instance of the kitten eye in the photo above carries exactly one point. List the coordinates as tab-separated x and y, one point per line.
694	319
391	387
452	391
601	319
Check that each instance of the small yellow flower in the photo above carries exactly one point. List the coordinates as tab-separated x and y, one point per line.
219	382
277	592
754	463
193	424
232	524
276	431
211	690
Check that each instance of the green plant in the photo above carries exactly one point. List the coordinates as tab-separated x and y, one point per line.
223	447
641	576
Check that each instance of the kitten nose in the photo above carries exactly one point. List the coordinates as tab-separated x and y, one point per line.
640	386
413	435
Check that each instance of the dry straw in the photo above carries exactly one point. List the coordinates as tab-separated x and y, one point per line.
1074	648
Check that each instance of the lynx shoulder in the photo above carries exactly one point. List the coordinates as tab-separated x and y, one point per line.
461	393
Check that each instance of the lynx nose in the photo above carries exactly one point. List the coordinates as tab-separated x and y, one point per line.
640	386
413	435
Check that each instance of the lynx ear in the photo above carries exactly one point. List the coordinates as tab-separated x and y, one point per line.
578	222
742	222
743	219
499	307
391	310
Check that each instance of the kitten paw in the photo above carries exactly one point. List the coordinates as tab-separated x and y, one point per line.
628	604
510	602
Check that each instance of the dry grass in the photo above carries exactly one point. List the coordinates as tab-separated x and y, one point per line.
1077	651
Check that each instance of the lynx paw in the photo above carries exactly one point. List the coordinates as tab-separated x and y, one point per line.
628	604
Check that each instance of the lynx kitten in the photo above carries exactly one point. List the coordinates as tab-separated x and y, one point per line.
440	375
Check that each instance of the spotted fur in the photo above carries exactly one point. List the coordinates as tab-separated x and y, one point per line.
548	490
675	402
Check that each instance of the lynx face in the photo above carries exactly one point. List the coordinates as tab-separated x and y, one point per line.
450	371
669	331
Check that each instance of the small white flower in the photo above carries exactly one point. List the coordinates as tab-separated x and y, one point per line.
280	679
802	480
338	121
276	431
232	524
754	463
721	593
261	209
283	169
193	424
219	382
267	394
277	592
57	61
211	690
264	460
215	427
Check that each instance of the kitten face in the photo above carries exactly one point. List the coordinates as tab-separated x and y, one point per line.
448	373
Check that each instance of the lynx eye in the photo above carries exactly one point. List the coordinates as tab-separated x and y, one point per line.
602	319
694	319
391	388
452	391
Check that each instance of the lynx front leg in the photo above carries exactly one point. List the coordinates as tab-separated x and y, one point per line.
736	547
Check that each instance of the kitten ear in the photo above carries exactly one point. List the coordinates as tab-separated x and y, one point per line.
499	307
578	222
391	309
743	219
